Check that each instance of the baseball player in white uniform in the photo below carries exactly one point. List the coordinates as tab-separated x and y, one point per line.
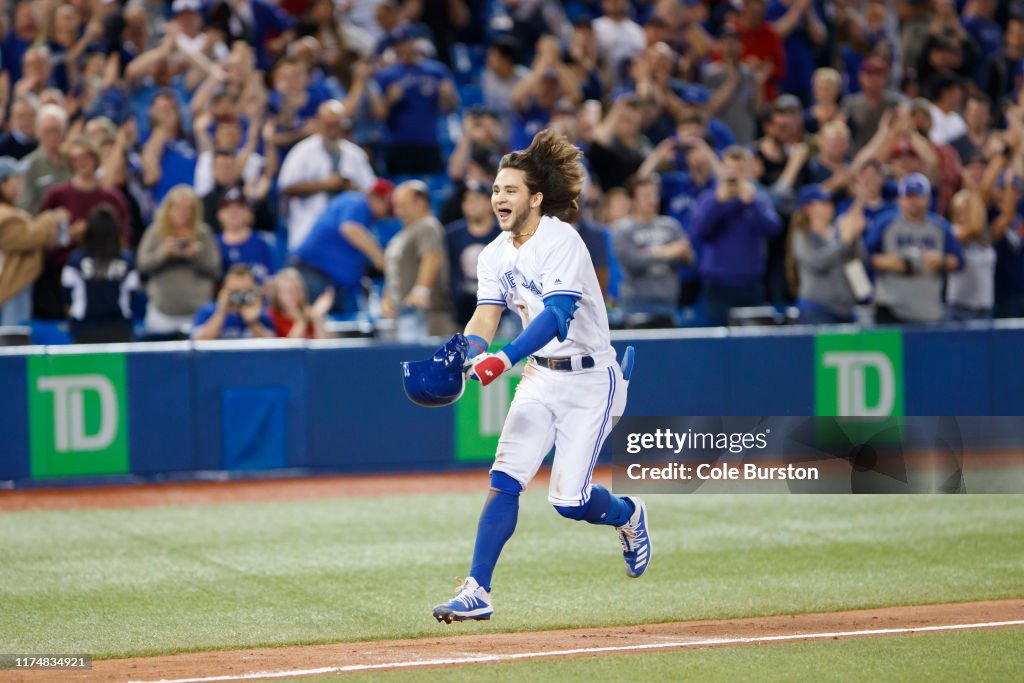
572	389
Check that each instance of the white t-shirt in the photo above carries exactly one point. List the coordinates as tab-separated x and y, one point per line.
309	161
946	127
619	40
554	261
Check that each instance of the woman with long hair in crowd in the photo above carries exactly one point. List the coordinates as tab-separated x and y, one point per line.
179	255
291	312
820	250
100	277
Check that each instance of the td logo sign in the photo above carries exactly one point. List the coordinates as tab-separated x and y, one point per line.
77	415
859	375
480	415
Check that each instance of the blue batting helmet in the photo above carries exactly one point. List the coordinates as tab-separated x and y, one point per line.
437	381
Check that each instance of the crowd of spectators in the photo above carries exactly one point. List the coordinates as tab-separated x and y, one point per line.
252	168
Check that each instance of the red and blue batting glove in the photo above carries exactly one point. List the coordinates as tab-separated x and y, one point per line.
486	367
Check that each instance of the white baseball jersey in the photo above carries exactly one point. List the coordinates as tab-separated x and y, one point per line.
554	261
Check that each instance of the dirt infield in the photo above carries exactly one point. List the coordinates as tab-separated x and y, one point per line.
306	488
248	490
453	650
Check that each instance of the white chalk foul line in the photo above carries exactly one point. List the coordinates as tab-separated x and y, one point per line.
487	659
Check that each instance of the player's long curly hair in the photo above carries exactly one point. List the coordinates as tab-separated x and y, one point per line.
551	166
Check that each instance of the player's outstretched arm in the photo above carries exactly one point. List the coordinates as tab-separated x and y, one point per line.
552	322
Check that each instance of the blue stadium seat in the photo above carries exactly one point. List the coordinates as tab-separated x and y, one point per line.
468	62
614	269
449	129
461	63
52	332
471	95
438	182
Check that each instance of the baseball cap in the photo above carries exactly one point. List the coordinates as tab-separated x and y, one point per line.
486	157
812	193
180	6
915	184
694	93
10	166
404	32
874	65
382	187
233	196
787	102
477	187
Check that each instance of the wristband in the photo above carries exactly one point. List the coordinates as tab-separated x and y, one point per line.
477	345
421	291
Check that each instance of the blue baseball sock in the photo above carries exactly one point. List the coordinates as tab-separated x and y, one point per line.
601	508
497	523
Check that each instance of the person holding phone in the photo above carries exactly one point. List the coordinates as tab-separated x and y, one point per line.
733	222
179	256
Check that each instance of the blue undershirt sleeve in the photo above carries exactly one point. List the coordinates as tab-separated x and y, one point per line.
552	322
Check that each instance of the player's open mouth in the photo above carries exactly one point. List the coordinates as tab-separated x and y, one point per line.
504	213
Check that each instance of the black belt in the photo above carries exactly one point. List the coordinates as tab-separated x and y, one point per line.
563	364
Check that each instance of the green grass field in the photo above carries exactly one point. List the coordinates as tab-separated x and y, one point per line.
974	656
118	583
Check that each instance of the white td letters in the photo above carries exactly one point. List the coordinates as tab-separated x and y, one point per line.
851	368
69	411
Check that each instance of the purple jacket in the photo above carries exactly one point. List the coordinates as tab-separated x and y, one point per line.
733	236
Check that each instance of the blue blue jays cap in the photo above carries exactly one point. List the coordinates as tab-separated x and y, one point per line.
404	32
915	184
10	166
812	193
694	93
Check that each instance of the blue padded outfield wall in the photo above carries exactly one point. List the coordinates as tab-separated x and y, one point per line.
179	409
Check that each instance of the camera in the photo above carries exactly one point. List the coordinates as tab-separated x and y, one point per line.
239	299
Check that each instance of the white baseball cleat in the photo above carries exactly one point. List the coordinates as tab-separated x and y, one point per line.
636	543
471	602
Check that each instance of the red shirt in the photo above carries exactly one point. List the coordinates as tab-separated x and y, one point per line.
763	43
283	324
80	203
